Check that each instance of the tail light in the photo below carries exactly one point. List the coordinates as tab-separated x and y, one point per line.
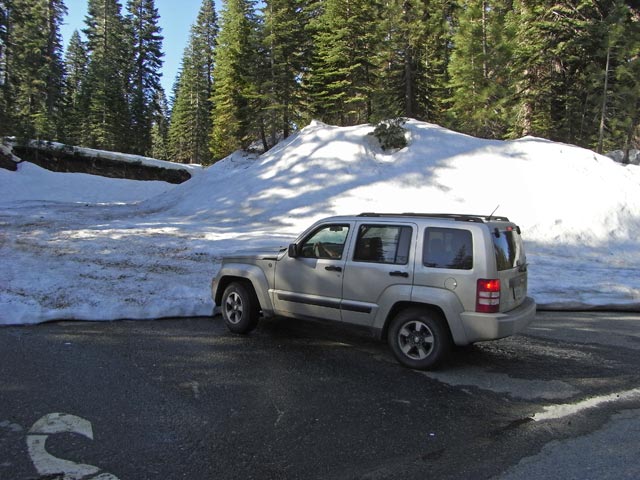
488	296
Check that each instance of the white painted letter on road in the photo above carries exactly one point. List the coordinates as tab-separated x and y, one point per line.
47	464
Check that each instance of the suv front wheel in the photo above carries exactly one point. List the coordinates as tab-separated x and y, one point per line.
240	308
418	338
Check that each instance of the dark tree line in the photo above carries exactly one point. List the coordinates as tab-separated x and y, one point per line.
103	92
568	70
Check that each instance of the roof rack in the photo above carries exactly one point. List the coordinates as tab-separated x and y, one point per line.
452	216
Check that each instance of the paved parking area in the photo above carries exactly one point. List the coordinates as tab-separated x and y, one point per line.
182	398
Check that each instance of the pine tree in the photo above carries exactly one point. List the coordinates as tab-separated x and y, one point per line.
236	96
33	67
393	95
107	83
5	8
430	44
413	58
629	74
145	79
190	125
479	68
75	108
620	93
549	56
286	45
570	59
160	127
342	77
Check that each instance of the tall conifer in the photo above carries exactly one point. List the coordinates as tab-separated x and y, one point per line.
412	58
342	77
107	83
571	60
286	46
191	113
619	119
5	9
160	128
75	108
145	78
34	67
479	68
236	95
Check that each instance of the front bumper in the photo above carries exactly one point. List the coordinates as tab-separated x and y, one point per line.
481	326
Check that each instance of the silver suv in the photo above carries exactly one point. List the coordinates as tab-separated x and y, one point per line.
422	281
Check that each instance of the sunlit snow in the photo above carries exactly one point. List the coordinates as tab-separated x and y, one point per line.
75	246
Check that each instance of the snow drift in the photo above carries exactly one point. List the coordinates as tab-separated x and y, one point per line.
579	212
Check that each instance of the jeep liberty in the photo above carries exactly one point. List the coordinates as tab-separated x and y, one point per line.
423	282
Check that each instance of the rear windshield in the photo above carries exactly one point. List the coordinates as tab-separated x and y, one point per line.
508	248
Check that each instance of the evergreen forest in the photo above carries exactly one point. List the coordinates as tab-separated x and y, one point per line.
255	72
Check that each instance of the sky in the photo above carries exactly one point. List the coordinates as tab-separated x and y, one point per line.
176	19
115	248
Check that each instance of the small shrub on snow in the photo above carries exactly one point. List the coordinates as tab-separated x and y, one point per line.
391	133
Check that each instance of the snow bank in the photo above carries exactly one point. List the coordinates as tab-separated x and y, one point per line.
33	183
580	215
119	157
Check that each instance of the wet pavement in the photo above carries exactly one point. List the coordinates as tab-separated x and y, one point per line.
183	398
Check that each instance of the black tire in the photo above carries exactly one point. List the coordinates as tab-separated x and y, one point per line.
240	308
419	338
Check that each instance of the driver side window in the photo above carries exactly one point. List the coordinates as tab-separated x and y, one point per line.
326	242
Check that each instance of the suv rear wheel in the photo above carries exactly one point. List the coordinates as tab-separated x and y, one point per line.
240	309
418	338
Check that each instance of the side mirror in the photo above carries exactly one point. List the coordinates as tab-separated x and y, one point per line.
294	251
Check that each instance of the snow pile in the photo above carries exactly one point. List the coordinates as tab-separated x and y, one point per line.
32	182
119	157
580	215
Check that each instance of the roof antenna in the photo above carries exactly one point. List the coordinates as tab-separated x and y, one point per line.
494	211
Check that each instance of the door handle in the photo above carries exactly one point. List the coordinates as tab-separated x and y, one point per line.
333	268
399	274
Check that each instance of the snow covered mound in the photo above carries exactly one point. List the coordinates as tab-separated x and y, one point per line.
580	215
32	182
557	192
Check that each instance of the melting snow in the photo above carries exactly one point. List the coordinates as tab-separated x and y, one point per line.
75	246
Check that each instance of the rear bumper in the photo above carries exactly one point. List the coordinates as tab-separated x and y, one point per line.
482	326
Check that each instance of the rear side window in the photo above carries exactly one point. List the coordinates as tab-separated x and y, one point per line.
508	248
383	244
448	248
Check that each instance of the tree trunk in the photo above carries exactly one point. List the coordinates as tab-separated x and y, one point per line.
485	69
603	112
628	141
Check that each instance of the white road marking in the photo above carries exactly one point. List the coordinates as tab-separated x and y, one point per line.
554	412
62	423
47	464
104	476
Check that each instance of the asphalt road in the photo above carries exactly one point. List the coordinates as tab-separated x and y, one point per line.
183	398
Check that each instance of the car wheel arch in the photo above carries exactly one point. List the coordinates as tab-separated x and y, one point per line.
400	306
419	337
228	280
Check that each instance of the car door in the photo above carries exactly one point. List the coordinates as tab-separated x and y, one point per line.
310	285
379	271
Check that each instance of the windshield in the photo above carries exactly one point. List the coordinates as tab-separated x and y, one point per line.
509	250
